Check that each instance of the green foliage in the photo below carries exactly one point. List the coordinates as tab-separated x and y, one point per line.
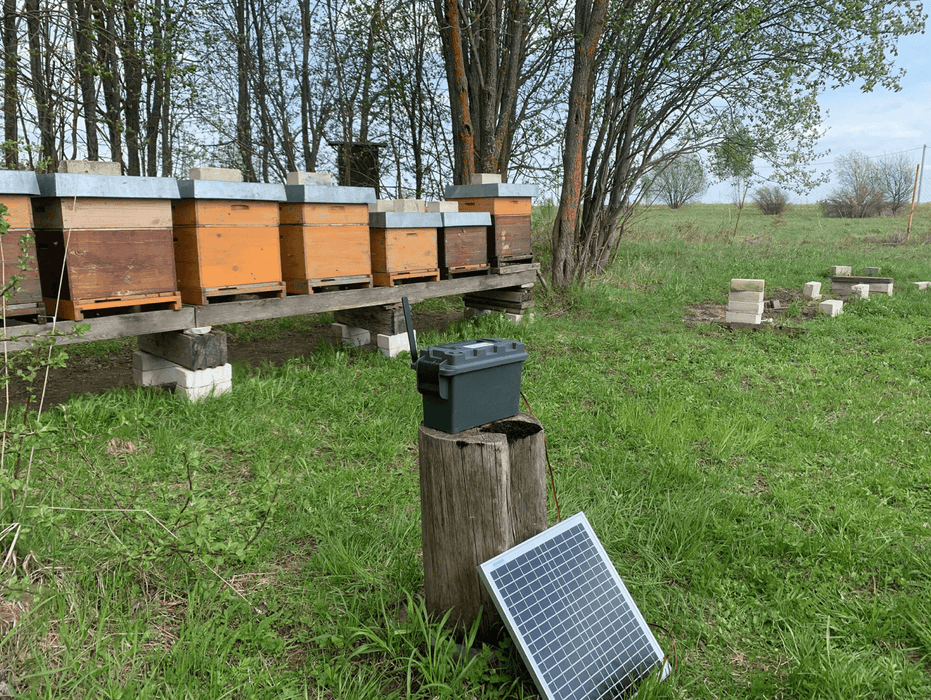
771	200
678	181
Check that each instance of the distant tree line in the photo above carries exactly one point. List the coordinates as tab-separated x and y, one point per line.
589	98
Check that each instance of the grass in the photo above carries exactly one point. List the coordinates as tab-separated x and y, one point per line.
765	497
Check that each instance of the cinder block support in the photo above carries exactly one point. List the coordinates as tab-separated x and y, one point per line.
387	319
838	270
832	307
812	290
196	350
745	301
860	291
150	370
350	335
392	345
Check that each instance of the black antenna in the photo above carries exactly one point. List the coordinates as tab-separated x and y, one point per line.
411	338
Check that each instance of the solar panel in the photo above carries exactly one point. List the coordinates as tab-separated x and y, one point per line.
572	618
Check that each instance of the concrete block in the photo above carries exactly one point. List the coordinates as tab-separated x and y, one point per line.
391	345
745	307
198	393
471	312
146	362
860	291
314	179
485	179
882	288
89	167
840	270
197	379
872	271
200	330
832	307
731	317
216	174
344	334
381	205
443	207
745	297
812	290
410	206
526	317
198	351
155	377
921	285
842	288
746	285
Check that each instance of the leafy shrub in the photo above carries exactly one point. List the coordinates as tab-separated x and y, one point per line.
860	203
771	200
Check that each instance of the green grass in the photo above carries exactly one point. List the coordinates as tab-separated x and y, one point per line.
766	497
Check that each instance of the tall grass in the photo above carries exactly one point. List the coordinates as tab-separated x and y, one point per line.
765	496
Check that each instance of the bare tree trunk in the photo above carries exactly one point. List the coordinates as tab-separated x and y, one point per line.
244	102
81	23
158	61
589	24
447	15
10	79
110	76
309	158
133	77
40	87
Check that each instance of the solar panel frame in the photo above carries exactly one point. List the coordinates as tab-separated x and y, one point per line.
545	590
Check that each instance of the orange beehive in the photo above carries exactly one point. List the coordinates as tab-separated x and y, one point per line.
103	243
226	239
325	238
509	236
404	247
18	246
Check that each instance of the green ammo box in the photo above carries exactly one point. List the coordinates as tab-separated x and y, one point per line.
470	383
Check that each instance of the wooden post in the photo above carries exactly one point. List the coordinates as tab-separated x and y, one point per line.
482	492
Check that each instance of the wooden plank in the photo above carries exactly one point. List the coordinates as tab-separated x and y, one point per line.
511	295
18	210
53	213
214	212
123	326
847	279
236	312
75	310
324	214
195	352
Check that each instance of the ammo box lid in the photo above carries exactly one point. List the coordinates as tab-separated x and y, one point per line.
327	194
18	182
107	186
220	189
473	355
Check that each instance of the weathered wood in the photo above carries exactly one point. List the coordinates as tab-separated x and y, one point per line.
512	295
75	310
483	491
104	213
848	279
390	279
195	352
509	237
30	291
462	246
387	320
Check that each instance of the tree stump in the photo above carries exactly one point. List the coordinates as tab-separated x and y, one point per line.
482	491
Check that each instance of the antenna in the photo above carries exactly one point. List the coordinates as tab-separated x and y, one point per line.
411	336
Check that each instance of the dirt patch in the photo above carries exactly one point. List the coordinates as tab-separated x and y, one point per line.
715	313
85	374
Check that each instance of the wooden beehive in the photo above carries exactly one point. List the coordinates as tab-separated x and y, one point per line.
404	247
104	243
325	238
18	246
462	244
509	236
226	239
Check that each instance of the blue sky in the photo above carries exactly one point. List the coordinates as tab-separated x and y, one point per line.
873	123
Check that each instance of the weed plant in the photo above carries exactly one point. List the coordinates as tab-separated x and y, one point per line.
765	496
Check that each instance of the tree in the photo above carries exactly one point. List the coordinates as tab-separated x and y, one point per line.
681	181
771	200
896	177
860	192
678	78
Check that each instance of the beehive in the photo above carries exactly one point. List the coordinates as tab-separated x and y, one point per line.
226	239
103	243
404	247
509	236
324	236
25	298
462	244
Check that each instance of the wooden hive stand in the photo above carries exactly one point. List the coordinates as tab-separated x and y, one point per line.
509	236
103	244
226	240
18	246
324	236
404	247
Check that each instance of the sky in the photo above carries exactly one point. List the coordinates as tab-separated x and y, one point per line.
875	124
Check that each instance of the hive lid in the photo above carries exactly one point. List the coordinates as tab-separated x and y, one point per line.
472	355
218	189
324	194
469	218
18	182
501	189
398	219
107	186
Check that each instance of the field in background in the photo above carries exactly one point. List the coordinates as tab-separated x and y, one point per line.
765	496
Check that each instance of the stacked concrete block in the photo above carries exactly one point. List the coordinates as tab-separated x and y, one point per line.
392	345
195	364
860	291
831	307
881	288
350	335
745	301
485	179
812	291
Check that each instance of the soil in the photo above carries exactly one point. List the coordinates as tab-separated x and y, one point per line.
91	374
715	313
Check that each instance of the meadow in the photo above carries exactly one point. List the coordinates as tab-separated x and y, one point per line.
765	495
